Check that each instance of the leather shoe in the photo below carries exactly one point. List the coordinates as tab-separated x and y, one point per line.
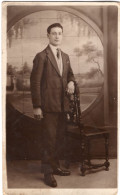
61	172
50	180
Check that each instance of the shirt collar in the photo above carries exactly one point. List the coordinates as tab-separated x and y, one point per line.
53	48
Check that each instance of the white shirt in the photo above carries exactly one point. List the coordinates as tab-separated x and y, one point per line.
59	61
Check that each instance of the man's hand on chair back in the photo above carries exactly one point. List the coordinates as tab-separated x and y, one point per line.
38	114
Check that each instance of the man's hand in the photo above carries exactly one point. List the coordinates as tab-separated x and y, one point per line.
37	113
70	87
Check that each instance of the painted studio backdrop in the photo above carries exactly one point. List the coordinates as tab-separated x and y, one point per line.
28	36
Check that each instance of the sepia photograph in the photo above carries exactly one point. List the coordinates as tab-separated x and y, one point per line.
60	69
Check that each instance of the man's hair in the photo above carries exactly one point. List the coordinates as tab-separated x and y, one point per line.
54	25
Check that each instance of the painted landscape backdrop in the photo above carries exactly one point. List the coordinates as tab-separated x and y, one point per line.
29	36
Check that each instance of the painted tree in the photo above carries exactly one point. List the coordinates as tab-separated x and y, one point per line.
93	54
25	69
17	30
11	70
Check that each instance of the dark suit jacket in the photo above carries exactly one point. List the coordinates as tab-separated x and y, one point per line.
47	85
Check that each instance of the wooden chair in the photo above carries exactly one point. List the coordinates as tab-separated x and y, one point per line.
85	134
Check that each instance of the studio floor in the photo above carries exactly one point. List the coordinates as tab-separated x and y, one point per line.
26	174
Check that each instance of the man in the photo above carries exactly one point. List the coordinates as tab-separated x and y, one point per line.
50	78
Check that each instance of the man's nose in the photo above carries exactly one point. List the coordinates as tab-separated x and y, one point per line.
57	35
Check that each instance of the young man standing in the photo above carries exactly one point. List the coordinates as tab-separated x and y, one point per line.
50	78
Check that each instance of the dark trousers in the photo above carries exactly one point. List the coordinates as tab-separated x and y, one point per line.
54	126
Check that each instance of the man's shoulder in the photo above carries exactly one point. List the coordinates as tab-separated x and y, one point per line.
65	54
41	54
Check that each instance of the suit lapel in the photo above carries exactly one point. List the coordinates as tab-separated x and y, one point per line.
64	62
52	58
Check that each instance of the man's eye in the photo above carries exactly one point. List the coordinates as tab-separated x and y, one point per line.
56	33
53	33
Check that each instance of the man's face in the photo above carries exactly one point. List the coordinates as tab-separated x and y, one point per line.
55	36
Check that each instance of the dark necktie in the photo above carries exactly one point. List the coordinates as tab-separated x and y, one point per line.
59	62
58	53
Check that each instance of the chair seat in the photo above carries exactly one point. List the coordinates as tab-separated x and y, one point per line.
89	131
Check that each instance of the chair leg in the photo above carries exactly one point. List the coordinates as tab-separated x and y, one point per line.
107	164
83	169
88	152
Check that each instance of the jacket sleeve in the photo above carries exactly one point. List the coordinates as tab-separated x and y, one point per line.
35	80
70	76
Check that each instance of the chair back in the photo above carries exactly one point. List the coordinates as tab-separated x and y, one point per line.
74	116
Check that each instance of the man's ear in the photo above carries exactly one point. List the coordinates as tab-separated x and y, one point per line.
48	35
